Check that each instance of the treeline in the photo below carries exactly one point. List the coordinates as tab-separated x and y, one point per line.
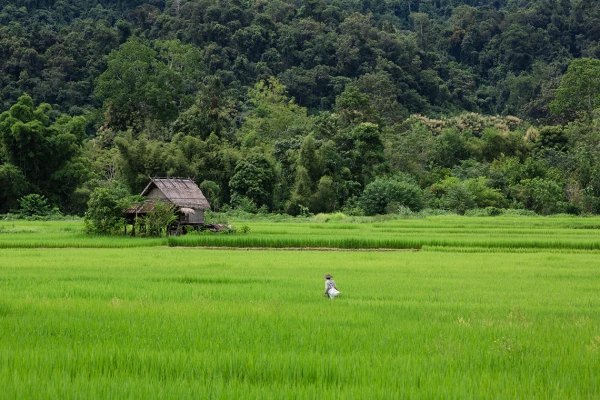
311	106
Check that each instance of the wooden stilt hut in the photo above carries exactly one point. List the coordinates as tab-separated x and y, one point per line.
184	194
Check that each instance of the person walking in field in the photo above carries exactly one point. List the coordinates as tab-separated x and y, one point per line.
331	290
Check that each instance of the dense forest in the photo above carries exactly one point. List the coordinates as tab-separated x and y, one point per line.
303	106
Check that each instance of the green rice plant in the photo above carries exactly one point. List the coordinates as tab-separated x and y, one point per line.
291	242
167	322
450	231
450	249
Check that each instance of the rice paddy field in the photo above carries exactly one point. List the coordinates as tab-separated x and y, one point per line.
498	308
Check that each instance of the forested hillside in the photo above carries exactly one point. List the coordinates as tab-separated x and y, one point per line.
366	106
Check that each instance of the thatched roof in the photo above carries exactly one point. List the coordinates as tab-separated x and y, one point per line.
183	193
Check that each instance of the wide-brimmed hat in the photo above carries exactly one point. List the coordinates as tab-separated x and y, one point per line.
328	276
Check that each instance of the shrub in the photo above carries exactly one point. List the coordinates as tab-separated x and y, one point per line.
106	207
352	207
245	204
35	204
230	229
383	191
212	217
431	212
494	211
540	195
460	196
158	219
398	209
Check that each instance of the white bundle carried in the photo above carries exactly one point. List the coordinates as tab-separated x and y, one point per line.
331	290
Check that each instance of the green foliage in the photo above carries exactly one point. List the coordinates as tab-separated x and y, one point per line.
14	185
42	151
254	178
142	83
301	195
553	138
450	147
245	204
454	195
460	196
355	107
543	196
211	191
324	199
362	148
213	112
409	149
106	210
333	94
579	90
273	116
34	205
158	219
485	196
382	192
142	158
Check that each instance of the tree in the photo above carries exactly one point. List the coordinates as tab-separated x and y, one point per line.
14	185
579	91
461	196
383	191
325	197
142	158
142	84
43	150
383	94
543	196
158	219
213	112
450	148
211	191
355	107
408	148
34	204
273	116
308	159
106	210
362	150
454	195
32	142
301	195
422	27
516	49
254	178
484	195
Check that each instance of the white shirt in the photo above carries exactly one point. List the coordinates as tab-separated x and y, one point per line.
329	283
